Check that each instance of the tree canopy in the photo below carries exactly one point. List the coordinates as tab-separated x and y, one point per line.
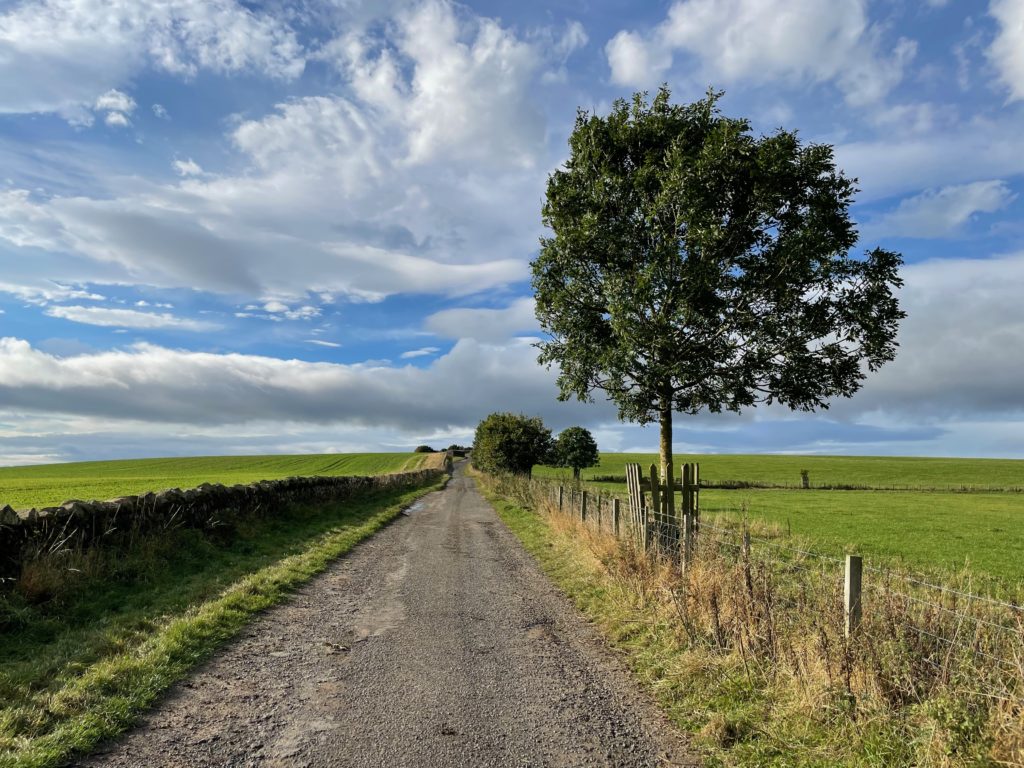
510	442
694	266
575	448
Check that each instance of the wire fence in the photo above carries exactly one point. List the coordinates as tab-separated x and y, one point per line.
937	617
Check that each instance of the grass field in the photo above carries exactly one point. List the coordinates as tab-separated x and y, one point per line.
872	471
925	530
50	484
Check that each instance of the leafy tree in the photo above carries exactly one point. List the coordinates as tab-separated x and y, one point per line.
423	449
695	266
510	442
575	448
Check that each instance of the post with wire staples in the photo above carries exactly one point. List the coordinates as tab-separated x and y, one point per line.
615	516
851	593
583	506
561	491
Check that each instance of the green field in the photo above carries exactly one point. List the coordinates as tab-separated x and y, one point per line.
871	471
925	530
50	484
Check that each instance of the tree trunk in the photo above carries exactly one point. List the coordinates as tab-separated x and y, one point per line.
576	474
667	469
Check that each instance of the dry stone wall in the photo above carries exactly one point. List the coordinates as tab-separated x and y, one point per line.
79	524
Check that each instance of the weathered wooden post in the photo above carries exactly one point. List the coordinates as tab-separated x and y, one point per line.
615	517
654	530
851	593
746	544
805	479
637	505
598	507
687	516
583	506
561	492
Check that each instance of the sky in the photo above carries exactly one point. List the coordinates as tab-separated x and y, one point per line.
233	227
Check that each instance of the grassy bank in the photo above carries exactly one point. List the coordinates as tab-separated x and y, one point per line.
78	668
50	484
749	656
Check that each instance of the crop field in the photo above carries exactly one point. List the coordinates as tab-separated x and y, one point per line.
933	526
50	484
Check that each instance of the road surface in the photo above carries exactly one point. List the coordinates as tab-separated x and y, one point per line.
438	642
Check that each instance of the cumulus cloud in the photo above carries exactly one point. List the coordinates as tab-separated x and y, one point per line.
425	177
1007	49
759	41
127	318
493	325
941	212
57	55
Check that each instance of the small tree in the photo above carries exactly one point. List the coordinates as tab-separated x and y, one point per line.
695	266
510	442
423	449
575	448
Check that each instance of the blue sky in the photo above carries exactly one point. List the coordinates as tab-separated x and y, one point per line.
255	227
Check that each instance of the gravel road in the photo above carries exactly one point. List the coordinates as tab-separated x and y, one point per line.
438	642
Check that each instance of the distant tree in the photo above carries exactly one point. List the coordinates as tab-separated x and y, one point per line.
423	449
693	265
510	442
575	448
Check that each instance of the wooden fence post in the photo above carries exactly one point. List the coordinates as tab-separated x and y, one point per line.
615	517
851	593
583	506
654	527
746	544
687	516
561	491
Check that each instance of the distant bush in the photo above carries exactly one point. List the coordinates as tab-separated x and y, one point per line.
423	449
510	442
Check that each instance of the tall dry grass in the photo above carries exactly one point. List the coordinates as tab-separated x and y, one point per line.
930	677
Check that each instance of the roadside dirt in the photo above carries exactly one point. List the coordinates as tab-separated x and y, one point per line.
436	643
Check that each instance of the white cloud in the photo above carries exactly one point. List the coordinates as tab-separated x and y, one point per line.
635	61
322	343
115	101
1007	49
50	291
58	55
427	179
941	212
467	92
187	168
153	384
421	352
117	120
979	148
161	112
489	325
961	350
127	318
762	41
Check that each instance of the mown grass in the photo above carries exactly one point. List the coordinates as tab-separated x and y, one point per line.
870	471
749	656
78	669
51	484
928	530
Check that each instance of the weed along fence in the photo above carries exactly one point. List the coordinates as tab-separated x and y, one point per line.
79	525
891	633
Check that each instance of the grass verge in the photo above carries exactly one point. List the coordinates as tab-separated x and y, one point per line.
751	660
78	669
